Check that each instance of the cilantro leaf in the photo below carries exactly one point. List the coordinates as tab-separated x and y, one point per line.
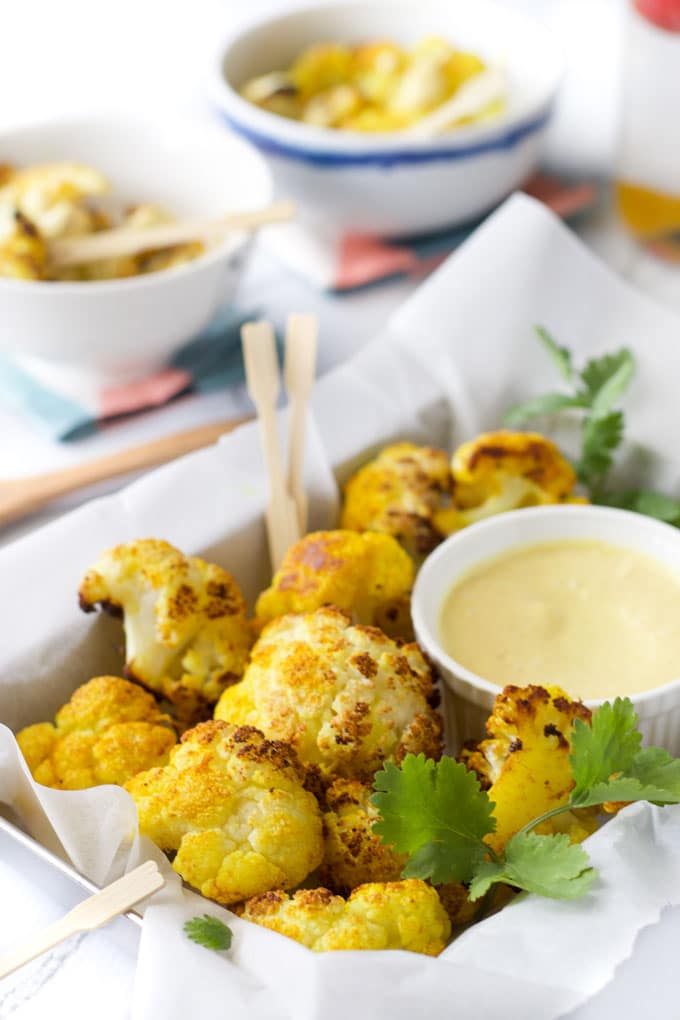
653	775
606	378
560	355
654	766
209	931
644	501
601	436
436	813
547	865
545	404
604	749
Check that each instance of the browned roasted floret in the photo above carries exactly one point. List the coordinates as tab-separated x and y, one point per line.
109	730
399	493
354	854
524	762
346	697
367	575
499	471
233	806
389	915
186	632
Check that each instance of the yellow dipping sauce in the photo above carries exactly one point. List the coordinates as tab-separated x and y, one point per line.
596	619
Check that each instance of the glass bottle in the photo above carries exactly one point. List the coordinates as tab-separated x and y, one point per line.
647	188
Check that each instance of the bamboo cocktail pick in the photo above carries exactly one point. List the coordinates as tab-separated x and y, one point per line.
106	244
264	386
92	913
300	364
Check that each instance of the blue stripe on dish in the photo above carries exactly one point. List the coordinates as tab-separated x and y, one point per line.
388	158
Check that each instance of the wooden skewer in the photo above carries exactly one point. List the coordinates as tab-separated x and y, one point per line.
21	496
92	913
264	385
472	96
120	241
300	363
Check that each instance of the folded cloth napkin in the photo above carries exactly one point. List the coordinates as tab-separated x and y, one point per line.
70	410
346	262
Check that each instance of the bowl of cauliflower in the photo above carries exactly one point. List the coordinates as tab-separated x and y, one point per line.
119	319
331	93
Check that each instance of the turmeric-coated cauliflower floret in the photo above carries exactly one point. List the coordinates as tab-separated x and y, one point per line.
23	255
399	493
186	632
524	762
346	697
49	195
232	805
109	731
501	471
354	854
368	575
390	915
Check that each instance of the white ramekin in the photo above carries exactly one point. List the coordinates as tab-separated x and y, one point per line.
115	330
386	183
468	698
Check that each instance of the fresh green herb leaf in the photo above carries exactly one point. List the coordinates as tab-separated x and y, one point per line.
644	501
601	436
605	379
560	355
604	749
436	813
654	766
548	403
209	931
652	775
547	865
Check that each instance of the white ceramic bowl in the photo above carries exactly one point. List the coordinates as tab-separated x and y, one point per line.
469	698
116	330
387	183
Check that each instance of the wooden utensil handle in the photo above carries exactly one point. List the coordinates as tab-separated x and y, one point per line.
28	494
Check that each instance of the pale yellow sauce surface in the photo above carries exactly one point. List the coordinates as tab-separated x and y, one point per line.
595	619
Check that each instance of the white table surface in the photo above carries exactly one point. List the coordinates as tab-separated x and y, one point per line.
62	57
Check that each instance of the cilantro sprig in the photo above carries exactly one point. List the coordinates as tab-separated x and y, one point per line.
209	931
594	391
437	813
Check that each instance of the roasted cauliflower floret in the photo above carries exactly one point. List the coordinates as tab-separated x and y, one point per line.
346	697
23	255
354	854
399	493
49	194
524	762
501	471
368	575
391	915
108	732
232	805
186	632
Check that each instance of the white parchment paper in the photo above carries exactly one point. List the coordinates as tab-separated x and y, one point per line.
447	365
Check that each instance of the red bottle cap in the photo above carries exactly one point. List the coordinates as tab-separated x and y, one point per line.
662	13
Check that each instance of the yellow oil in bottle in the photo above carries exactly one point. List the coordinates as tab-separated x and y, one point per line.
652	217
